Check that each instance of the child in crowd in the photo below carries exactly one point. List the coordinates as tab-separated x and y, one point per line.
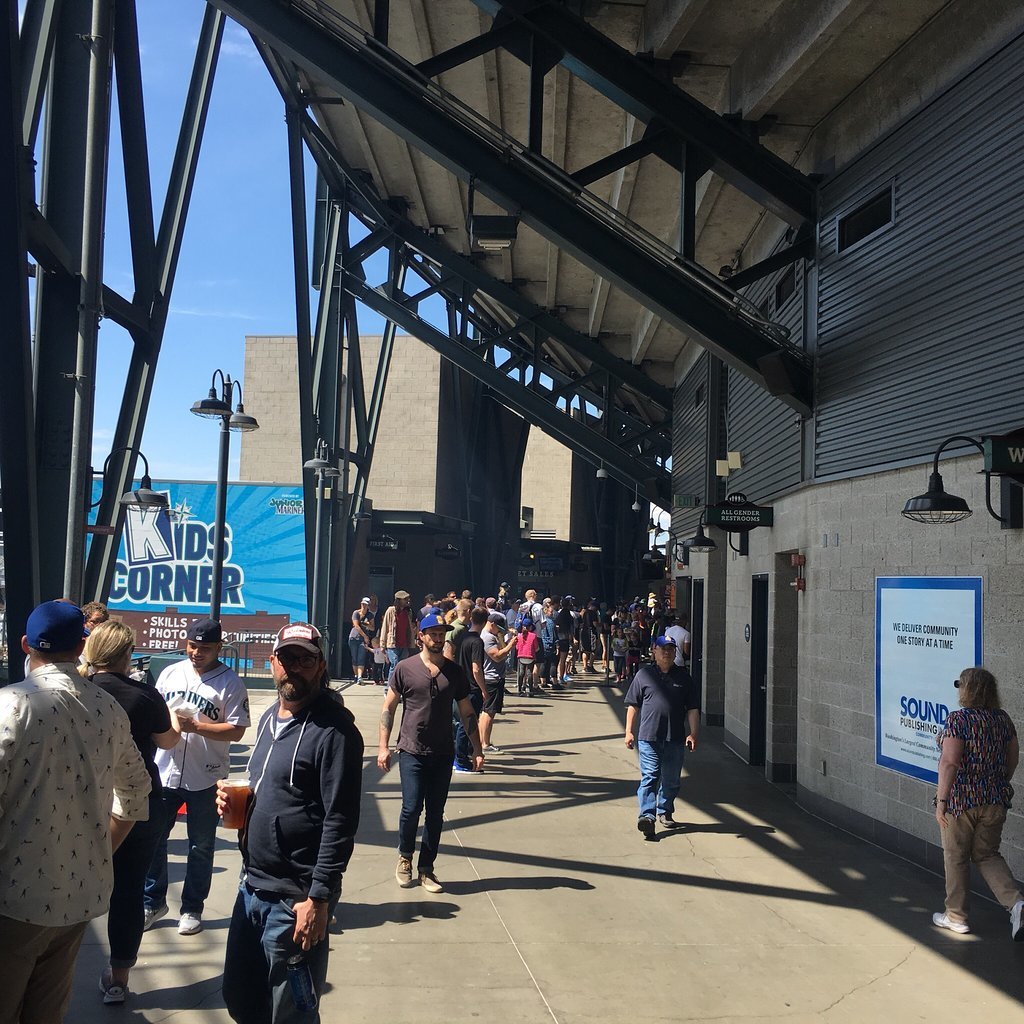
619	650
380	662
634	634
527	648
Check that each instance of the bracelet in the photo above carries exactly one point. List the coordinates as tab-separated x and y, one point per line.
936	801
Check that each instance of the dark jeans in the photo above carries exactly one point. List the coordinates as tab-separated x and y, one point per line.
463	748
256	989
131	863
548	665
425	782
201	808
357	649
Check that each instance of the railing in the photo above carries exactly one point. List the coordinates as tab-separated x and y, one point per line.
512	150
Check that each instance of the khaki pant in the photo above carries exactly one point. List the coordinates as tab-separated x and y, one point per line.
38	966
974	836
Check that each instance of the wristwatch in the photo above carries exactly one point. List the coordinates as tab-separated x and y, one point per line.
936	801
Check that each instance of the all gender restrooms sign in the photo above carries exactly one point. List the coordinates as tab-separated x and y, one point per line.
927	631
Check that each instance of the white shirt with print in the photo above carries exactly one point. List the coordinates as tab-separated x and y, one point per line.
197	762
67	763
681	635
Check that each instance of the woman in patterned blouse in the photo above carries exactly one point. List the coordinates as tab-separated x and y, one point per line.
979	756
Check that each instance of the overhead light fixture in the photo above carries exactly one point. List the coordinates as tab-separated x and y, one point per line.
936	506
602	473
492	233
636	506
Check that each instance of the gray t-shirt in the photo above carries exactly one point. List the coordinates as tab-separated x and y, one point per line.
493	670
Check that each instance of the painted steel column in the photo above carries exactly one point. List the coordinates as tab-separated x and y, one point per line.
37	35
303	332
94	181
138	387
17	454
62	203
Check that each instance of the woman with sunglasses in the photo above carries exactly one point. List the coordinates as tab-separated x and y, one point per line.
979	756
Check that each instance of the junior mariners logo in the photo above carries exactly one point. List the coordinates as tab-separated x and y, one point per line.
169	561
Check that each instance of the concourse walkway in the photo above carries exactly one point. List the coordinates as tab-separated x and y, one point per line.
556	910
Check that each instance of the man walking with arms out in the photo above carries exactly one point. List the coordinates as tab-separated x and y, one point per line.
427	685
72	784
664	698
305	774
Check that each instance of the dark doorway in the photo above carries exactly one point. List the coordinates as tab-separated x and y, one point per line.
758	667
697	636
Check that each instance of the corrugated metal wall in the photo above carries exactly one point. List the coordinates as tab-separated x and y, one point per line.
762	429
919	327
689	441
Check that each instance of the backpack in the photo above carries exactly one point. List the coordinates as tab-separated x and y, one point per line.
525	614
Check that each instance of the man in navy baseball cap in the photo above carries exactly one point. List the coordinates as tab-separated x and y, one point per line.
56	626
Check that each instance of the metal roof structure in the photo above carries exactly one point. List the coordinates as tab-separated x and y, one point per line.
586	186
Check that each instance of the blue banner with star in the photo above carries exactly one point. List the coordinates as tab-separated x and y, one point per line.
165	560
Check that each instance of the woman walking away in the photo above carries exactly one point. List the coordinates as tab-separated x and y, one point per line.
979	756
107	661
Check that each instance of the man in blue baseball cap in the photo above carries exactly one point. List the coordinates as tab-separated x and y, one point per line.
73	784
428	684
665	699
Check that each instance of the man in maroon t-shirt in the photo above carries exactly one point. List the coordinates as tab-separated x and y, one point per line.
398	630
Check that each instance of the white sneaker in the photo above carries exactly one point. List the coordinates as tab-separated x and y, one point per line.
152	915
1017	921
190	924
945	921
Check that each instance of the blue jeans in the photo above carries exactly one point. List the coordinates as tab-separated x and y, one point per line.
131	862
357	649
661	763
425	782
395	655
256	989
463	748
201	808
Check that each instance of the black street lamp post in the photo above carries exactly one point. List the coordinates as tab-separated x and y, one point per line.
215	408
322	465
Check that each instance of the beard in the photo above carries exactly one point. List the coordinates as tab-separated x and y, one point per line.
295	688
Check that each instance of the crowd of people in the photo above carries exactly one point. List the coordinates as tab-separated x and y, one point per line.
96	764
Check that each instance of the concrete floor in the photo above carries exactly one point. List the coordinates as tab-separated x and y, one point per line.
556	909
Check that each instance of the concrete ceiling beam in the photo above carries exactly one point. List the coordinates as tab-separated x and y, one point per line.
794	38
666	23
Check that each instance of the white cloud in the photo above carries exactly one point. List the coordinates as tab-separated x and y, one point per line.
215	314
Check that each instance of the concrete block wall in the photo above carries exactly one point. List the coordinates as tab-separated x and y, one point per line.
547	483
270	387
851	532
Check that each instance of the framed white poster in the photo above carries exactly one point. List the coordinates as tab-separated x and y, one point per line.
927	631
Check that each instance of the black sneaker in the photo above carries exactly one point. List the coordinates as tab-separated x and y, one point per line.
646	825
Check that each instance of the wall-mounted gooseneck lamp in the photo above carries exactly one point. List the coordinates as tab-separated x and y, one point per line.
700	543
936	506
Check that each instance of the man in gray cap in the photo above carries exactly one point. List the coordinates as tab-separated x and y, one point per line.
210	710
398	630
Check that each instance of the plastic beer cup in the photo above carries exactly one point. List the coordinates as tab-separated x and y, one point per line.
236	792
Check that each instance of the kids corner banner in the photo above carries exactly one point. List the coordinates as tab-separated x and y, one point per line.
927	631
165	561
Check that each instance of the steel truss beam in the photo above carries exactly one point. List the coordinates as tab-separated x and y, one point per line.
397	95
157	266
633	85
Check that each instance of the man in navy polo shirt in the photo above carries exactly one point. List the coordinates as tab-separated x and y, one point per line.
664	697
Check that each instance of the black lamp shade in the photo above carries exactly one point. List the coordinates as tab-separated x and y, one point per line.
145	496
700	543
935	506
240	422
211	407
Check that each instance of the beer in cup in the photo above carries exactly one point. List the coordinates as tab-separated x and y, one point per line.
236	793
